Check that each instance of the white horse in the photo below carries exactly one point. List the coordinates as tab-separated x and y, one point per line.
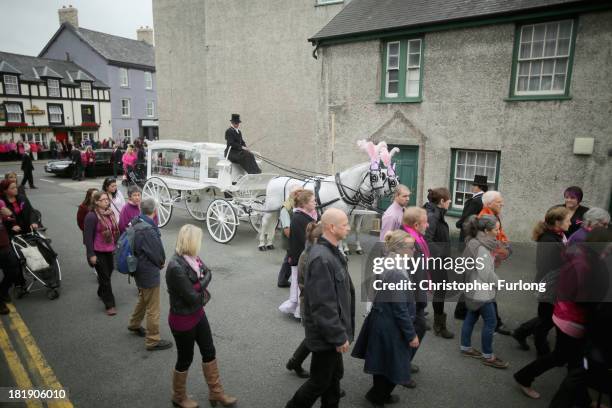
358	186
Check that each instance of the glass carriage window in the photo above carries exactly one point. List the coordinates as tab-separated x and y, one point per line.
176	163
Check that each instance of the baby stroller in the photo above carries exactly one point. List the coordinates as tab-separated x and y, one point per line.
136	174
39	262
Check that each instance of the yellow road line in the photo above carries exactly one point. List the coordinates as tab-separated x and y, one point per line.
35	359
17	370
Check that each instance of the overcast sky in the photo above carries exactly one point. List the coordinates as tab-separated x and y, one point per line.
27	25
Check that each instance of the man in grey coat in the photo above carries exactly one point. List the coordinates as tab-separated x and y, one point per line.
328	315
149	250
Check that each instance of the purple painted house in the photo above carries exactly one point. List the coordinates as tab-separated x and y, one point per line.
126	65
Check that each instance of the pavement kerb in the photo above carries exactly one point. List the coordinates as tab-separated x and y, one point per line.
35	361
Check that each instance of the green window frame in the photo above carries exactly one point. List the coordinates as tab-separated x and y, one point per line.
542	60
402	73
465	164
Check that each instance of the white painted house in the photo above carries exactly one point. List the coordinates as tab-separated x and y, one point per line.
43	99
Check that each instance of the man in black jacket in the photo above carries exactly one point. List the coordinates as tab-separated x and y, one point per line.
149	250
472	206
77	165
116	158
27	167
238	152
328	315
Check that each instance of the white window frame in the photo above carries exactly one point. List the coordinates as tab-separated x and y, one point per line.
11	85
124	79
395	67
53	88
558	63
126	109
150	109
17	111
86	92
127	133
148	78
466	175
413	68
57	115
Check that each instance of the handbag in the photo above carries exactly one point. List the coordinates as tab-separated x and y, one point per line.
34	258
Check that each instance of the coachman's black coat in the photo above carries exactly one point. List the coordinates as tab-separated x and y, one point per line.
237	154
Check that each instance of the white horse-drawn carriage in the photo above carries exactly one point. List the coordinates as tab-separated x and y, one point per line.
212	188
219	192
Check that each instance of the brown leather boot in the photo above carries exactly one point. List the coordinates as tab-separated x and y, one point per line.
215	389
179	391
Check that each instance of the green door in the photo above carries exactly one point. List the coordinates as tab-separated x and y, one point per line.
407	168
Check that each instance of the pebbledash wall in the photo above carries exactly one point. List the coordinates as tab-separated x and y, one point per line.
218	57
466	82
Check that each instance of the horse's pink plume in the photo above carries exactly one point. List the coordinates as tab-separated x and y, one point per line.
370	149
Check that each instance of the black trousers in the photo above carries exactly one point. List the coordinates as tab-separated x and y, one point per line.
381	389
11	270
284	273
568	350
539	327
301	353
326	371
245	159
104	269
77	171
420	326
573	391
28	177
185	341
116	169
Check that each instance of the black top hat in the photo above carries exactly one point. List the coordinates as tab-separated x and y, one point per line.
235	118
480	181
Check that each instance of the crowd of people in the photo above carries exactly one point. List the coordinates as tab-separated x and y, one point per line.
573	258
104	217
573	254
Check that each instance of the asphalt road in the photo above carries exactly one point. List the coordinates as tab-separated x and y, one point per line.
103	365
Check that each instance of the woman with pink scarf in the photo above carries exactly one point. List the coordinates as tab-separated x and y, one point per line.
304	212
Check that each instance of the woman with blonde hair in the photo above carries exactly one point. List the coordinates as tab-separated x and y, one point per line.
388	336
129	160
187	278
304	212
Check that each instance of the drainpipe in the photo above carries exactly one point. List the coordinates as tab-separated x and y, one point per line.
333	142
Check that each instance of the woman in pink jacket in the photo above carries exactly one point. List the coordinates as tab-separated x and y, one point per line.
129	160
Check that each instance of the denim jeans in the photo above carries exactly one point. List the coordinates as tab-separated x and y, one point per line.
487	311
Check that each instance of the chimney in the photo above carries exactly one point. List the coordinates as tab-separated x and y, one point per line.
68	15
145	34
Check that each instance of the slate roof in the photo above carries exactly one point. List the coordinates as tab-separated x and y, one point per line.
376	16
33	68
114	49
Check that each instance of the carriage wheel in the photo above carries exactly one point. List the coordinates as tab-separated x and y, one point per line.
197	203
221	221
157	189
256	215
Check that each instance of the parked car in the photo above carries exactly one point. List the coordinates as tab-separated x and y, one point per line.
102	167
